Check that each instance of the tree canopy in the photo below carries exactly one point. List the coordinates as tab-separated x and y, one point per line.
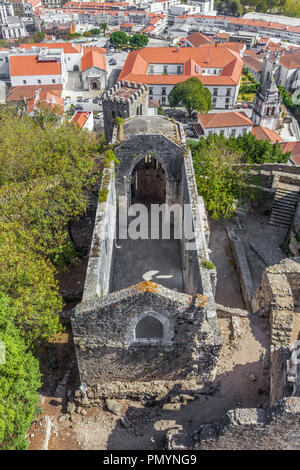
139	40
119	38
192	95
222	177
45	173
19	382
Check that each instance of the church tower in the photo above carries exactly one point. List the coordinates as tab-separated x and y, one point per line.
267	103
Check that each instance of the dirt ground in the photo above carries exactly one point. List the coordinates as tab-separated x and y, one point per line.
242	380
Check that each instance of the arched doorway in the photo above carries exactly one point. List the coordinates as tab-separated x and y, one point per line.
94	84
148	182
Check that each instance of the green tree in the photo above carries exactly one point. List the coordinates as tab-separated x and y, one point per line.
45	175
19	382
119	38
192	95
221	179
139	40
292	8
235	7
104	28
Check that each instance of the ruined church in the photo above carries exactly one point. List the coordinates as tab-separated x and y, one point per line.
147	320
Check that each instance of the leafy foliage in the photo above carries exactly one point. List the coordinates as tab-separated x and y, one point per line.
119	38
45	173
222	178
19	381
192	95
139	40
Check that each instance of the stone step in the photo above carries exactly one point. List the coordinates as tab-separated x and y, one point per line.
284	207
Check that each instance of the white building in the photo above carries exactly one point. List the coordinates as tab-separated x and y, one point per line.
13	28
84	120
217	67
71	53
29	68
93	68
6	10
231	124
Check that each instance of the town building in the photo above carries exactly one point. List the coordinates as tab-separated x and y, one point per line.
231	124
45	67
6	10
71	53
93	68
13	28
218	68
85	120
45	101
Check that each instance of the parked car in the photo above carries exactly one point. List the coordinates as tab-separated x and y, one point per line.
112	62
86	100
79	99
244	105
239	105
78	107
250	105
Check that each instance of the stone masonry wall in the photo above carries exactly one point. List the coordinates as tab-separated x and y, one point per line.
275	299
98	273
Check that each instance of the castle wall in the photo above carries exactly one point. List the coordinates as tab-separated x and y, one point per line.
97	281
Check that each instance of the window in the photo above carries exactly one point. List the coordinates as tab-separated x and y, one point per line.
222	132
163	91
214	101
165	69
53	81
178	69
233	132
197	69
228	93
227	100
39	81
151	90
149	328
24	81
215	93
151	70
163	99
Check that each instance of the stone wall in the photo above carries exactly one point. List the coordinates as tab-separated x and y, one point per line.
98	273
275	299
124	107
107	350
294	239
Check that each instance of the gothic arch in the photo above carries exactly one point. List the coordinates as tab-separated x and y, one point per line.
150	328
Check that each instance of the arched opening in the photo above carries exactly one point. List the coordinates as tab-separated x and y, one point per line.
148	182
94	85
149	328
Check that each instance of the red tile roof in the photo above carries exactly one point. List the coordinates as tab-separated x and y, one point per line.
294	148
47	100
93	59
137	62
262	133
24	65
230	119
80	117
18	93
291	61
66	46
198	39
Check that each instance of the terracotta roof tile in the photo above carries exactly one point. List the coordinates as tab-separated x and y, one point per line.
137	62
198	39
66	46
262	133
24	65
93	59
80	117
230	119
